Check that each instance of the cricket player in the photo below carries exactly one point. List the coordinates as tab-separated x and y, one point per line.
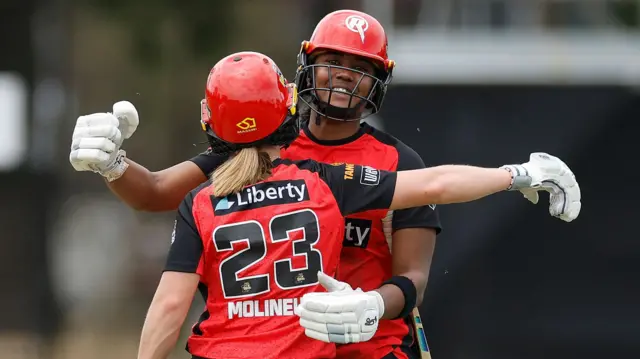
343	74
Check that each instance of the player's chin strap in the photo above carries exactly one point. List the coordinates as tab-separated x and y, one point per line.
408	290
325	109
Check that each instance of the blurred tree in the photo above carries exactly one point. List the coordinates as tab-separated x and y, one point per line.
144	18
625	13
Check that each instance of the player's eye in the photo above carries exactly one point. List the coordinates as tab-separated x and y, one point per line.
333	62
365	68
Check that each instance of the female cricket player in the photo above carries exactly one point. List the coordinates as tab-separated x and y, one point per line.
263	236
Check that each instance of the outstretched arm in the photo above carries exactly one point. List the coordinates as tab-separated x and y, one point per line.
156	191
447	184
361	188
358	312
95	147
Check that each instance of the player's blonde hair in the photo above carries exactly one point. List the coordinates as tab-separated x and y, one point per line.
246	167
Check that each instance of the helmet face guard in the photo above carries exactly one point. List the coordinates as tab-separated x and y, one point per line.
345	32
364	105
286	133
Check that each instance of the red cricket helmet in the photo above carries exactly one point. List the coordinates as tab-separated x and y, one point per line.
248	103
351	32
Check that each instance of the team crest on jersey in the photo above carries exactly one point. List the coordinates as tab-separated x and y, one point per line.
246	287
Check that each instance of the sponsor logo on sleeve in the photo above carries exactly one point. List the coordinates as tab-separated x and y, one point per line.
369	176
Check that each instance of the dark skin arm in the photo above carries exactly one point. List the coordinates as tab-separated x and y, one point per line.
412	250
159	191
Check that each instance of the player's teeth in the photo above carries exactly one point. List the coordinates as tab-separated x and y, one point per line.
340	89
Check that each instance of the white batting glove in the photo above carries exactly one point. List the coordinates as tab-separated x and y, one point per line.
342	315
545	172
97	139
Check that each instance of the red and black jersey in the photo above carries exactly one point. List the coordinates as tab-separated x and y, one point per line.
258	252
366	259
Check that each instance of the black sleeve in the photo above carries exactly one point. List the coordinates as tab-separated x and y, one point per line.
359	188
186	244
416	217
208	161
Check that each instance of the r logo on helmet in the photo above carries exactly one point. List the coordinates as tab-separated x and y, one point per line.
357	24
247	125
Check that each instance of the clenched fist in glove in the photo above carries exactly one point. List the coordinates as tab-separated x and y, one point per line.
545	172
342	315
97	139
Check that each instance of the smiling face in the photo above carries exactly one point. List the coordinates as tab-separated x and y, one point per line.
343	79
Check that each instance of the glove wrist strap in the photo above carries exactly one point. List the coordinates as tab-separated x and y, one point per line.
117	169
408	290
520	177
380	300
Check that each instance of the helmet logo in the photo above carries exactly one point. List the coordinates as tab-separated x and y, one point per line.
357	24
247	125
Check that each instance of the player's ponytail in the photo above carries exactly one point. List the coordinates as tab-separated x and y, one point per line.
246	167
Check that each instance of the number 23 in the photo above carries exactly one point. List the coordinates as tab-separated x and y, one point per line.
252	233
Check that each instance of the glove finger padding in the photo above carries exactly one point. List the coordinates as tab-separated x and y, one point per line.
128	119
323	337
96	125
332	284
94	143
572	213
531	194
95	146
104	131
330	328
557	197
315	326
322	317
97	119
89	156
548	173
346	328
328	304
77	164
551	164
566	205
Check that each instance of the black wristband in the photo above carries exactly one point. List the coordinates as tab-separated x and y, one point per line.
410	293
